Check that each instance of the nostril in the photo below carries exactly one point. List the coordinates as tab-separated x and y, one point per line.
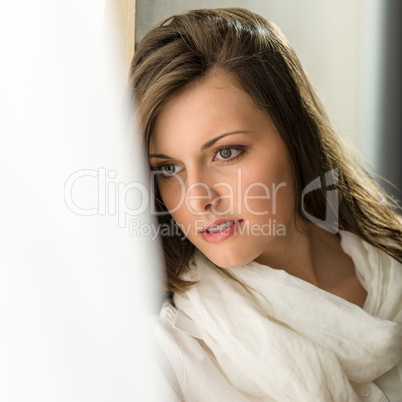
200	197
214	202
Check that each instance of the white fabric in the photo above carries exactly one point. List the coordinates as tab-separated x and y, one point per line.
283	339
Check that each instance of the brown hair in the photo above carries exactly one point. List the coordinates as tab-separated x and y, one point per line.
183	49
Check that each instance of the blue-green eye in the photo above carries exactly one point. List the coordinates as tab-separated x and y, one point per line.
226	154
170	170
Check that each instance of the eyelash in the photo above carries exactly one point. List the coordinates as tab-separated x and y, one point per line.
228	161
159	169
214	153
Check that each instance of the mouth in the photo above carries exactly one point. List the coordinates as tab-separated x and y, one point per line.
215	228
220	230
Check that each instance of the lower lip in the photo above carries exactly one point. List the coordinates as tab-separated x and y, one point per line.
222	234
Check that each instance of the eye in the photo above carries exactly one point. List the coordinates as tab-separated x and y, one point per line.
169	170
227	153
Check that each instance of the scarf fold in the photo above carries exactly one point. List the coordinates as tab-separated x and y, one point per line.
278	337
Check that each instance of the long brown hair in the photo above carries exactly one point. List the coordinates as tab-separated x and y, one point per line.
183	49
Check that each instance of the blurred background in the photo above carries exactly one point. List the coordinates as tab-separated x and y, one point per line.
350	49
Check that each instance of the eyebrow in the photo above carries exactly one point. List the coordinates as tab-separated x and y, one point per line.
212	142
205	146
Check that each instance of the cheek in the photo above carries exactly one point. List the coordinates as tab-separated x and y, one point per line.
269	190
258	192
171	194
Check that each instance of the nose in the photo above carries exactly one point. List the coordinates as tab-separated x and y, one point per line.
201	197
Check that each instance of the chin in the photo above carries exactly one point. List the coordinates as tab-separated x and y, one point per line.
229	261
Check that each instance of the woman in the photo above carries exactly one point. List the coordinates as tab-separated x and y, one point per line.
284	256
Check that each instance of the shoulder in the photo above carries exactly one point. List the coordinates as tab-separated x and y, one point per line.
380	275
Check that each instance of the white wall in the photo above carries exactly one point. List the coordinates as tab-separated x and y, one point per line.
73	288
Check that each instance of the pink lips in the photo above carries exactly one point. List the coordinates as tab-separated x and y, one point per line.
222	234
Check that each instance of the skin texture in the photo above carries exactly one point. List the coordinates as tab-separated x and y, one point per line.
221	159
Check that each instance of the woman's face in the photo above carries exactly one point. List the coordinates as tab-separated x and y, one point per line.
223	172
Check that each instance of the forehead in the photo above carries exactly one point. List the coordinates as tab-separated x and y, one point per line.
208	108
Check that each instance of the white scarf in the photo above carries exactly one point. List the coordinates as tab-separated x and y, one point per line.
281	338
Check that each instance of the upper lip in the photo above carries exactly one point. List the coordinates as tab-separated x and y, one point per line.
218	222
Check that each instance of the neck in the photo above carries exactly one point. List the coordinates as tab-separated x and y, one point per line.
316	256
295	253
